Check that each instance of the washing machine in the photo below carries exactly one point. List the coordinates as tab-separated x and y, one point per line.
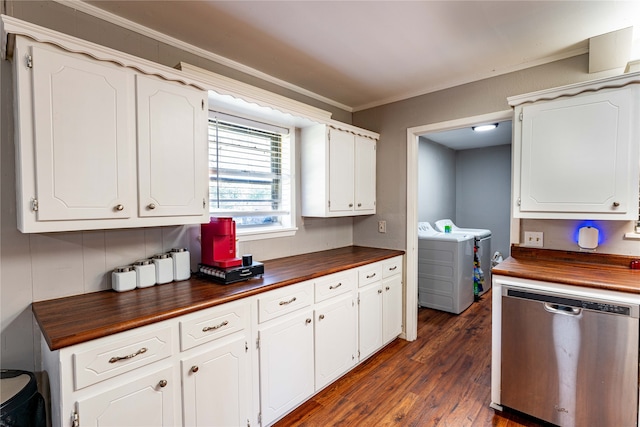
445	269
482	242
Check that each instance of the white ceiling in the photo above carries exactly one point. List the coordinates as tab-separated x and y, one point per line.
358	54
466	138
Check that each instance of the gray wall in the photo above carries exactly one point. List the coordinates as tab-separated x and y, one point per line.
487	96
483	192
436	181
50	265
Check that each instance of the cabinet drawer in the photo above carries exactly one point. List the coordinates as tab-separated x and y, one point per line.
286	300
391	267
114	355
369	274
335	284
212	324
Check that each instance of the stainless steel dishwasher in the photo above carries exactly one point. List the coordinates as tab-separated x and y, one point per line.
569	360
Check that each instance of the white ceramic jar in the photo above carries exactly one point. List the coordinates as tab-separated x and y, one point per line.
145	273
164	268
123	278
181	263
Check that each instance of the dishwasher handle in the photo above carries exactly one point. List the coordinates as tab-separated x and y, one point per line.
565	310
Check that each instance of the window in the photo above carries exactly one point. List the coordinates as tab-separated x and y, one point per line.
250	173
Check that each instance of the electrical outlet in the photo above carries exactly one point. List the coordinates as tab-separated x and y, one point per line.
382	226
533	238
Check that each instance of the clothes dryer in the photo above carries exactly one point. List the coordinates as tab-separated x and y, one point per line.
482	241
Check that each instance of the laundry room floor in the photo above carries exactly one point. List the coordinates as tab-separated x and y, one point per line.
441	379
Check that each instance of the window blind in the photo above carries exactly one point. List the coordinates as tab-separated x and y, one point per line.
248	170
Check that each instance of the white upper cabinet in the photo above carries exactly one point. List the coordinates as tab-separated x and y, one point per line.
338	172
83	135
100	145
172	148
576	152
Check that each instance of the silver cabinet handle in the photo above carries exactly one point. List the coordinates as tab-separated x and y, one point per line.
616	204
336	286
194	369
372	275
350	205
359	204
163	383
393	268
119	207
128	356
151	206
387	288
287	302
307	321
379	291
321	317
213	328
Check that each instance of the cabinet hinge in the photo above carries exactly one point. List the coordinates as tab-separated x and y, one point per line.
34	204
259	418
204	203
75	420
520	116
203	105
258	343
29	61
246	347
519	201
248	423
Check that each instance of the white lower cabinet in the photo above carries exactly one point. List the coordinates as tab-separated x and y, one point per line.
391	308
335	338
369	319
286	364
244	363
145	401
215	385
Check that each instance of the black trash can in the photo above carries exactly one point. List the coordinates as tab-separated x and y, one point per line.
22	405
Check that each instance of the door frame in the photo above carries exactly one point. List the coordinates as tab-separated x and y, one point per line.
413	134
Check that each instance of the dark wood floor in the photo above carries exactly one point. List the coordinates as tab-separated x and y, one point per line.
441	379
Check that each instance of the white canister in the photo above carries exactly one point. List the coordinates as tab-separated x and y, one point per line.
123	278
181	263
164	268
145	273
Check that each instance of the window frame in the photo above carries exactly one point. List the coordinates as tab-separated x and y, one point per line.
249	233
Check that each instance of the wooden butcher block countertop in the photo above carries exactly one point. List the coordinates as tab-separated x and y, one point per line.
73	320
591	270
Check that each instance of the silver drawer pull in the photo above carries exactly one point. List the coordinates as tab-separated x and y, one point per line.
372	275
213	328
288	302
336	286
163	383
393	268
127	357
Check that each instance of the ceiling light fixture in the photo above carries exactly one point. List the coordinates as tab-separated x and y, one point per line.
484	128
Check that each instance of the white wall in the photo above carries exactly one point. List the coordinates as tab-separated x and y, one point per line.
436	181
483	192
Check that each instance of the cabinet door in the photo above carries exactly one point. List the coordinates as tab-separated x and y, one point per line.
369	319
365	174
214	385
335	339
286	364
341	182
391	308
84	137
147	401
172	148
576	154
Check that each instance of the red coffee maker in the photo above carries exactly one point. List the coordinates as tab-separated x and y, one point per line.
218	239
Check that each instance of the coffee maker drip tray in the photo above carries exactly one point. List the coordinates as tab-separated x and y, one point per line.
229	275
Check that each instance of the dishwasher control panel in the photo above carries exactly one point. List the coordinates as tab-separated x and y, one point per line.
571	302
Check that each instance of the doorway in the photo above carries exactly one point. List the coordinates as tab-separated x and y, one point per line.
413	138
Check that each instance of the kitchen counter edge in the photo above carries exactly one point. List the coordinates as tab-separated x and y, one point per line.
76	319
